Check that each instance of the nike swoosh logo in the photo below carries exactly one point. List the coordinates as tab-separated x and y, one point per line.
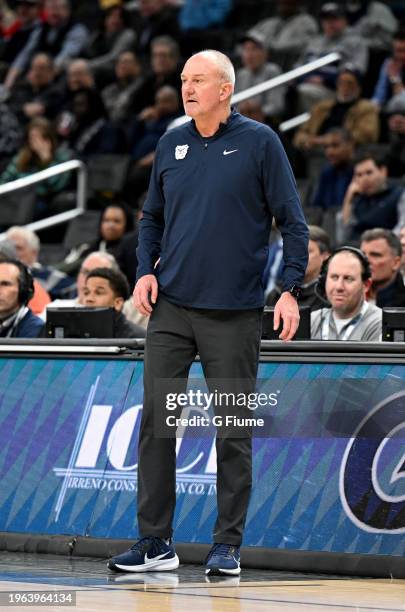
146	558
229	152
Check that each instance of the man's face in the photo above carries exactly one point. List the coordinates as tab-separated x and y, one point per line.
398	50
27	12
333	26
57	12
253	55
315	260
166	101
347	87
345	288
337	150
78	76
91	262
163	61
370	177
9	289
202	87
40	73
127	66
24	252
97	293
383	262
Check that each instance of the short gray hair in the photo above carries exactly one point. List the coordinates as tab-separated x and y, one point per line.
107	257
223	63
26	234
380	233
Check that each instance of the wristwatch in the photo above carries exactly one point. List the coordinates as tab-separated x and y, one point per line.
295	291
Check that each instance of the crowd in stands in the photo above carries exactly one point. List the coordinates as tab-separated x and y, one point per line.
100	82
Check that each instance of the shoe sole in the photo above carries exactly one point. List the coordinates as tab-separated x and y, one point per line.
154	566
217	571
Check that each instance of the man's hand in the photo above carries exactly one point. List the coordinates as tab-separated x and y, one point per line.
287	310
146	285
352	190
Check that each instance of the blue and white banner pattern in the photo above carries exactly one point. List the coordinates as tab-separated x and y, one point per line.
331	477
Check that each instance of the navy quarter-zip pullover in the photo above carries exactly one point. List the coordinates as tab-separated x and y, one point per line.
209	211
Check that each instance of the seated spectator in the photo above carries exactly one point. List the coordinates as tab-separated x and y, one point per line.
97	259
336	36
27	244
78	76
391	80
344	281
38	153
357	115
337	173
165	57
383	250
110	40
105	287
287	33
318	250
17	34
144	135
155	18
116	221
16	290
41	298
255	69
59	36
85	126
31	95
371	201
373	21
395	158
118	95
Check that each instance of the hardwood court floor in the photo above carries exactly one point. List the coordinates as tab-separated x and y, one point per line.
189	590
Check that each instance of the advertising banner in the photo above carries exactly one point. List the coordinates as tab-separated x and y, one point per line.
329	460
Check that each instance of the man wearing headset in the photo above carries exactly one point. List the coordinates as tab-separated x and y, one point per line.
16	290
343	282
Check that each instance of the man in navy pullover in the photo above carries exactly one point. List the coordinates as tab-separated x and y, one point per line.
216	184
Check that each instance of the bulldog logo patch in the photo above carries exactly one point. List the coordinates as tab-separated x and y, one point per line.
181	151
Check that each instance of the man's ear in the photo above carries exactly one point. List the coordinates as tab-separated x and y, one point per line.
225	91
367	286
397	263
118	303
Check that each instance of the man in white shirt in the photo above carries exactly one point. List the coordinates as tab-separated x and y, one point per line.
343	282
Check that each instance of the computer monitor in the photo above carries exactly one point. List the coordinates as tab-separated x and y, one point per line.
393	324
303	331
79	322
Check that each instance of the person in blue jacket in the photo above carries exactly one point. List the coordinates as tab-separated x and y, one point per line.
16	290
217	182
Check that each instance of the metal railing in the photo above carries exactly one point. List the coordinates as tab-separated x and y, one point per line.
43	175
281	79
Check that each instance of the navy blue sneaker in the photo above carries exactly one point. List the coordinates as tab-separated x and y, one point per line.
223	559
149	554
